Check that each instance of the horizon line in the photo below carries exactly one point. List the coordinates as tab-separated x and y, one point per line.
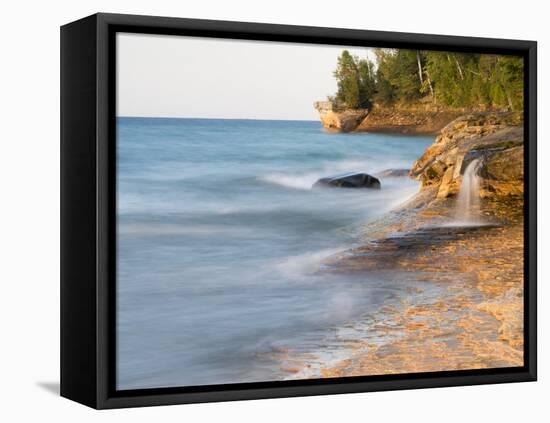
215	118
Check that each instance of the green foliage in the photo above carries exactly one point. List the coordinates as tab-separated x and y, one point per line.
509	73
367	82
356	81
385	92
455	80
477	80
398	75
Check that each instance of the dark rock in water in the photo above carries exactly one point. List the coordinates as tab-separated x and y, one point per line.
393	173
351	180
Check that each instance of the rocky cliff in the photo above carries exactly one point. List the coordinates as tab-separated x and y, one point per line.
496	139
410	120
339	121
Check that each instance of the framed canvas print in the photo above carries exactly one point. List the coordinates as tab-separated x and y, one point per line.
256	211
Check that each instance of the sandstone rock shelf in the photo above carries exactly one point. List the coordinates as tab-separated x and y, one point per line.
339	121
495	138
476	320
406	121
415	120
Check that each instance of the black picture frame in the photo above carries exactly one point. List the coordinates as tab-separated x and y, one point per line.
88	215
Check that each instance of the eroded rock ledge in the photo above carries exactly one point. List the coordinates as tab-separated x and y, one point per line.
339	121
417	119
496	138
414	121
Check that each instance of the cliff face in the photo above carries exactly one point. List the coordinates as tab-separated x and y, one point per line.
496	139
407	120
339	121
416	119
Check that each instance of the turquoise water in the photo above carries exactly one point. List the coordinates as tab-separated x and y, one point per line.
221	243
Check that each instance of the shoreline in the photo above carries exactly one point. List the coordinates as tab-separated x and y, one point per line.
476	323
476	319
416	119
407	121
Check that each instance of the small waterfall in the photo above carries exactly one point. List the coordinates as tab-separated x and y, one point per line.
467	204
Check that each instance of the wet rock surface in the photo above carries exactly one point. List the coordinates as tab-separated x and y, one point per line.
476	319
496	139
475	322
354	180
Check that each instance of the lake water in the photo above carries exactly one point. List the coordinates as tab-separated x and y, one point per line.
221	242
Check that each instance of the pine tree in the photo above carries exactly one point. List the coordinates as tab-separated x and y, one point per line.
355	80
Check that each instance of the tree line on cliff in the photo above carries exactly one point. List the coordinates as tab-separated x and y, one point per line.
453	80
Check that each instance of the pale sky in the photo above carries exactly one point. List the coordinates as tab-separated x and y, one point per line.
174	76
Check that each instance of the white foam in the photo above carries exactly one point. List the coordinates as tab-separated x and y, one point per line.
304	264
302	182
467	203
465	224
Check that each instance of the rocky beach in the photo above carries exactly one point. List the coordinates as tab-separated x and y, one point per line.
475	260
261	239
